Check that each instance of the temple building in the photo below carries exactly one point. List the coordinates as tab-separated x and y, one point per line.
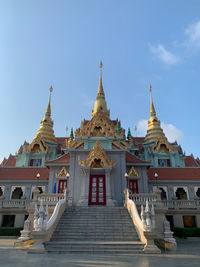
96	163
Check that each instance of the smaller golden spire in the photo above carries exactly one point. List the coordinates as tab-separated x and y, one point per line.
135	128
48	110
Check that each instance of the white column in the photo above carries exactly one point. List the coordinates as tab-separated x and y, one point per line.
84	188
109	200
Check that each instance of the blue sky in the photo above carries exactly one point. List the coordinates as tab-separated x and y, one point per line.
62	42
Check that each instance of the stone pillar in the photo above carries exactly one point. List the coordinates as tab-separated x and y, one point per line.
84	188
19	220
38	246
197	220
1	219
109	200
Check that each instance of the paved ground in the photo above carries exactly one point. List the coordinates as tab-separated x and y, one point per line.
187	254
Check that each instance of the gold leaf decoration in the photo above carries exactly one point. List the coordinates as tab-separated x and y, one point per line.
97	158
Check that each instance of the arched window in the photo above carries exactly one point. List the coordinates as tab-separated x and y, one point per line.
40	190
1	192
17	193
181	193
198	192
163	194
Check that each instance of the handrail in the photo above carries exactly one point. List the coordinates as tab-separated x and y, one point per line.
55	213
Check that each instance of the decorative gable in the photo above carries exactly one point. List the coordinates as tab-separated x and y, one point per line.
63	173
97	158
100	125
36	146
133	173
162	145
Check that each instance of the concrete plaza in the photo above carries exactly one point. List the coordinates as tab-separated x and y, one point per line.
187	254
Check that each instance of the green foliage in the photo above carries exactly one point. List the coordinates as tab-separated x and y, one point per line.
10	231
186	232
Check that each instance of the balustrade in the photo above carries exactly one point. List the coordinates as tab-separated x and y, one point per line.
48	199
182	204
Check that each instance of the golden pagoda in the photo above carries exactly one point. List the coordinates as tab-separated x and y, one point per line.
46	132
154	129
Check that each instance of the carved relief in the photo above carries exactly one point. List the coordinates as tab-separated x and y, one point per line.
36	146
74	143
100	125
97	158
133	173
162	145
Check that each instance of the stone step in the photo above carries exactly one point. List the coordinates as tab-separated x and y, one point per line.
95	230
93	237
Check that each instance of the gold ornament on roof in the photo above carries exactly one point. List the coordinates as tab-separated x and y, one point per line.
63	173
100	125
36	146
97	158
74	144
162	145
133	173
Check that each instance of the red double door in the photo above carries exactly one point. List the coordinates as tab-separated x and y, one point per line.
97	190
133	186
62	185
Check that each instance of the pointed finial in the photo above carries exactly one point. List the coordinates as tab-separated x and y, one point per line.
100	65
66	130
129	133
135	130
51	89
71	133
152	109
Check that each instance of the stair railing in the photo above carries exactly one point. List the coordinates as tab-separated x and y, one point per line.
42	226
145	224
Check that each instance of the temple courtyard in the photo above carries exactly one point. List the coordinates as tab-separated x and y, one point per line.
187	254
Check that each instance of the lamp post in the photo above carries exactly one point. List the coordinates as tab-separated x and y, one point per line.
156	177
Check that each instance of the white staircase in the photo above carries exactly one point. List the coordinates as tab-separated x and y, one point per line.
95	229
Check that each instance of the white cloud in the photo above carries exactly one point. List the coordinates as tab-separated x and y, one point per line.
192	33
164	55
171	132
142	127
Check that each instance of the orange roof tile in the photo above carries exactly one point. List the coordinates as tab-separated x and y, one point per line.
174	173
62	159
190	162
133	159
61	139
23	173
10	162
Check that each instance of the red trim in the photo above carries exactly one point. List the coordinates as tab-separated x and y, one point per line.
133	186
90	202
62	184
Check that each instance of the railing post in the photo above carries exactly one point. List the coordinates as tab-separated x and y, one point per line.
126	193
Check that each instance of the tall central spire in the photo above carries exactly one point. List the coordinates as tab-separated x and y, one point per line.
100	103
